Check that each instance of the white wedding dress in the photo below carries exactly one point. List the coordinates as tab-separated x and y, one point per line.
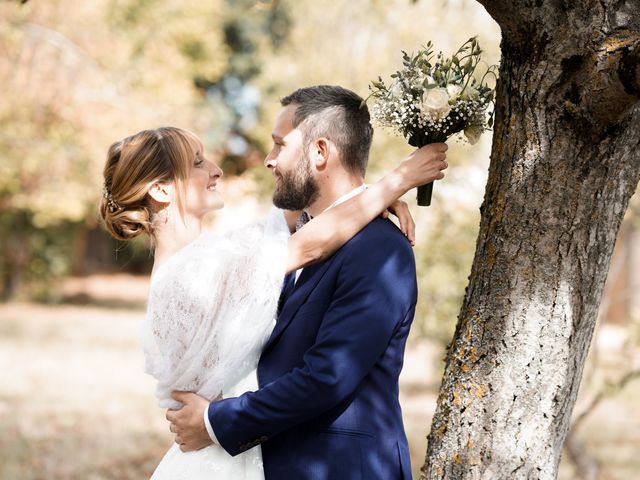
212	307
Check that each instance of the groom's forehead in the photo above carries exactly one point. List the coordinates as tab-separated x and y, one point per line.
284	122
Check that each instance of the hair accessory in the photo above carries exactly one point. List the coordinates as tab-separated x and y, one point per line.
113	205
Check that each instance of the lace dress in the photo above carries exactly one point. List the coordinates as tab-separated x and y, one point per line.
212	307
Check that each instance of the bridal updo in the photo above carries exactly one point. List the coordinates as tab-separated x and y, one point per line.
134	164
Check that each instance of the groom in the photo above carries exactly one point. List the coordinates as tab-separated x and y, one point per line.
328	403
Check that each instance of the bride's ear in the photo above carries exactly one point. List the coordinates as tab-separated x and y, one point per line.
161	192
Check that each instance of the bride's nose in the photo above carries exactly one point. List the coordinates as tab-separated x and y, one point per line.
215	171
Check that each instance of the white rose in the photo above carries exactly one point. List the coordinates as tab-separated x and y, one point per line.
473	132
454	91
435	102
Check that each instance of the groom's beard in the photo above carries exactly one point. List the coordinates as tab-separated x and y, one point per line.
297	189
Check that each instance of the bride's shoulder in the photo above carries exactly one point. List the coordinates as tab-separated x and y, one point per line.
202	258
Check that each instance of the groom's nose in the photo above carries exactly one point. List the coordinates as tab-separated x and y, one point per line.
270	161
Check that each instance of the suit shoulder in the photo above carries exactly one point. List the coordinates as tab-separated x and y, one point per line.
383	234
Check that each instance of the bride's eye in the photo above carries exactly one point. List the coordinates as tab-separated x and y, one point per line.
198	161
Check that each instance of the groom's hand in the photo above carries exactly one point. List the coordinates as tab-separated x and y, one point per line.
188	423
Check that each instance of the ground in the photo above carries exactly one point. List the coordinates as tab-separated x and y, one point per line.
75	403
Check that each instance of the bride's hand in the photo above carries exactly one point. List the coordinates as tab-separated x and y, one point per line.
423	166
401	210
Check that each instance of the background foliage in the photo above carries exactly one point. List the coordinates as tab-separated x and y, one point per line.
80	76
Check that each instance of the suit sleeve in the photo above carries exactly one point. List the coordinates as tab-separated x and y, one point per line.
375	293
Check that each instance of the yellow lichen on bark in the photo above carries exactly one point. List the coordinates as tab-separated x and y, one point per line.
622	39
491	254
478	390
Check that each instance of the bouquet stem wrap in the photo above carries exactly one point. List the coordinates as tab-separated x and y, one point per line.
418	139
424	194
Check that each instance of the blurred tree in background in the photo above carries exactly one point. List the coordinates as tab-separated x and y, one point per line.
78	77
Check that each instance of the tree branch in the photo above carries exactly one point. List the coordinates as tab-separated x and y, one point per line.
608	391
506	14
587	467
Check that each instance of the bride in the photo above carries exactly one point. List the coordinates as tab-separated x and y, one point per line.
213	298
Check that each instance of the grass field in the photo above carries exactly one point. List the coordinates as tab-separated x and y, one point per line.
75	404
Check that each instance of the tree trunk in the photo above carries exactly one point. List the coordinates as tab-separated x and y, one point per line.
564	165
17	253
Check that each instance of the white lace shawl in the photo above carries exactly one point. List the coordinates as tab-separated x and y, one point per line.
212	307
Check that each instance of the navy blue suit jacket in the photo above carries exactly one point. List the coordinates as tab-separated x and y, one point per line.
327	407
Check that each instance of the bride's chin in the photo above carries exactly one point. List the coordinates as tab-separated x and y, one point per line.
218	205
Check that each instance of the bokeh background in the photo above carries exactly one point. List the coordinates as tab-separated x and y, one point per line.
77	76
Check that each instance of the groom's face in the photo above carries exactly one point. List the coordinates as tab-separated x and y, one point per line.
296	186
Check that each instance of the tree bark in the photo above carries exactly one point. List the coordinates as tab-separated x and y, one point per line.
564	165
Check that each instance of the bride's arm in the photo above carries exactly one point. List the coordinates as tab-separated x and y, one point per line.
333	228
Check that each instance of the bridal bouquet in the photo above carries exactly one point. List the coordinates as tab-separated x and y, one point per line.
432	98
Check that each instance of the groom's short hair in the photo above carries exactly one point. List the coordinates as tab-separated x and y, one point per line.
337	114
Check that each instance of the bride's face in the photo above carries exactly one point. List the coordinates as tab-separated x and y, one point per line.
201	194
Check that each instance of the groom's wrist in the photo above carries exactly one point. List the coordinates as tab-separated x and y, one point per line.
207	425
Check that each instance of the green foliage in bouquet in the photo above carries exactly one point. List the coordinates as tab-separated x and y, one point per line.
432	98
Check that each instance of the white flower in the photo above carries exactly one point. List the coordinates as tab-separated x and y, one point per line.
473	132
435	102
470	92
396	90
454	91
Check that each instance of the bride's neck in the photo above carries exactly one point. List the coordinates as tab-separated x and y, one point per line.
173	233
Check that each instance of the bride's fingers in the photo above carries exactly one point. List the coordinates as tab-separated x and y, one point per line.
411	231
407	225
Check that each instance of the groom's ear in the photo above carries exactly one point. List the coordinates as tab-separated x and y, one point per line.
161	192
320	153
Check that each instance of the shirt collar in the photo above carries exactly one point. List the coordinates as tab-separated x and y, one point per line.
347	196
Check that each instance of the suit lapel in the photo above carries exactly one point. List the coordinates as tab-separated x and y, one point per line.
309	278
287	287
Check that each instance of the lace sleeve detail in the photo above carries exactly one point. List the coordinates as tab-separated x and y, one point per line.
212	307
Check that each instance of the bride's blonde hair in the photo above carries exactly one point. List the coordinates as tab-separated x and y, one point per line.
134	164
